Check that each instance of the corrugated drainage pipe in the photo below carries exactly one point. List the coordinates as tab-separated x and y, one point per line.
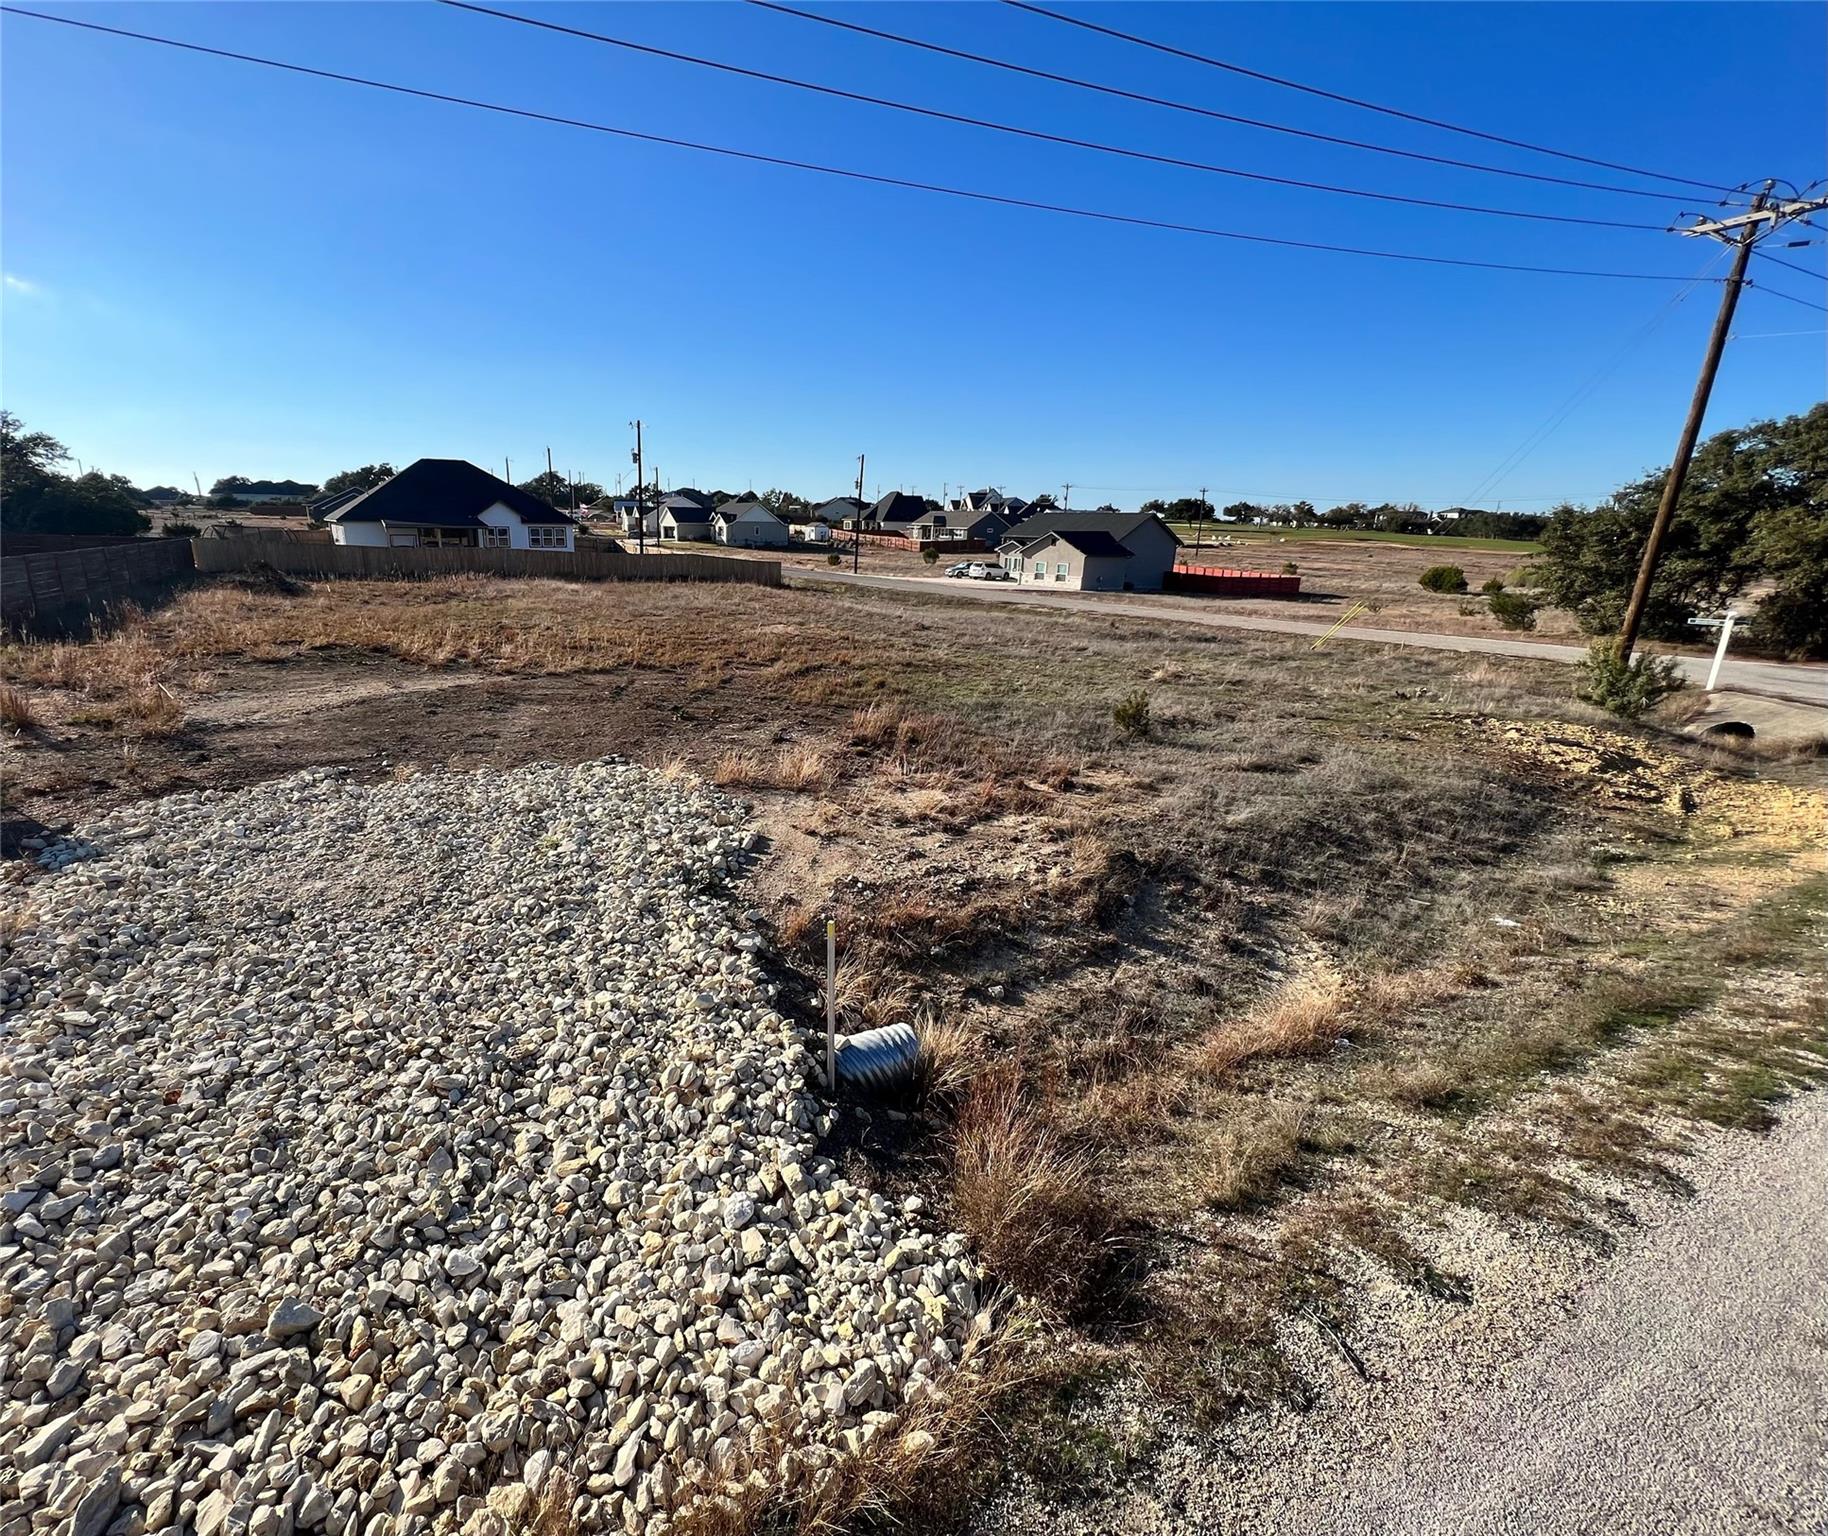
878	1059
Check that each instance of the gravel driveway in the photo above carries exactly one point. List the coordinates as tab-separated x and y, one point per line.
367	1152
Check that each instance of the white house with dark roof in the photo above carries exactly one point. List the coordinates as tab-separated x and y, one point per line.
749	525
1091	551
449	503
685	517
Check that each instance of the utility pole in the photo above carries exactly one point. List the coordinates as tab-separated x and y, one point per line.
640	515
857	531
1742	232
1066	497
1199	520
507	470
549	460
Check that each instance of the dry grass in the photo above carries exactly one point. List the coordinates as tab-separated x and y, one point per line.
952	1054
1030	1205
1251	1159
1306	1015
799	767
16	708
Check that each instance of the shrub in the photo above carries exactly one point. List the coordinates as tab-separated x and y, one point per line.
1492	586
1626	689
1512	611
1131	713
1444	578
930	555
832	558
181	531
1289	568
1523	576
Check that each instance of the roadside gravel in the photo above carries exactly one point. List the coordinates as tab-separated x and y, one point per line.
1678	1387
370	1154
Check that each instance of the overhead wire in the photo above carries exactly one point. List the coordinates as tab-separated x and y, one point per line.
937	114
1208	112
870	177
1794	266
1778	293
1551	424
1356	101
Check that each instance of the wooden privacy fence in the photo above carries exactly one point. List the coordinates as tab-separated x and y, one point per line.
298	559
64	584
1230	583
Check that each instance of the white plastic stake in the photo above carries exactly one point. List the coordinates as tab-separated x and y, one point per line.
831	1004
1726	634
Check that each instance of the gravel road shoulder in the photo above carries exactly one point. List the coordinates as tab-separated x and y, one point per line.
1678	1386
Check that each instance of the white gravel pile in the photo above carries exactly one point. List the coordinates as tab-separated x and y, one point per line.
368	1154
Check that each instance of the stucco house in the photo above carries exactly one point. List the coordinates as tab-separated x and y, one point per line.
748	525
450	503
1091	551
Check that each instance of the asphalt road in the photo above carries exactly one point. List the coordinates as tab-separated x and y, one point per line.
1804	683
1687	1394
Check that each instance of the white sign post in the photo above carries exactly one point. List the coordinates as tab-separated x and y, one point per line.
1725	625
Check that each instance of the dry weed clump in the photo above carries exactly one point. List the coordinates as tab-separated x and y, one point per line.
1027	1202
798	767
1305	1015
16	708
1309	1013
952	1054
1250	1160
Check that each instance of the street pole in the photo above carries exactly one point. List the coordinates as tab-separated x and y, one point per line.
640	515
1199	521
1685	445
857	531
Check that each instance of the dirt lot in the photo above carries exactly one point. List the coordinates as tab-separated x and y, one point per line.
1239	964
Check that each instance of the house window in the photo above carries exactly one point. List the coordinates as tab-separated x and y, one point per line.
545	538
403	540
1060	571
494	538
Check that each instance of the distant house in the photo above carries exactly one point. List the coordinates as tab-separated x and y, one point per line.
253	492
897	512
840	510
960	526
1010	507
684	516
748	525
449	503
1091	551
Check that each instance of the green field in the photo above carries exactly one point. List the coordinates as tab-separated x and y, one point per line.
1335	535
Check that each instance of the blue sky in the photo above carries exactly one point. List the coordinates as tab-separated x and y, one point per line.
217	268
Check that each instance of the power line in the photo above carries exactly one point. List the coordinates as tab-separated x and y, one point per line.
1778	293
1354	101
1557	417
1208	112
939	115
1794	266
871	177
